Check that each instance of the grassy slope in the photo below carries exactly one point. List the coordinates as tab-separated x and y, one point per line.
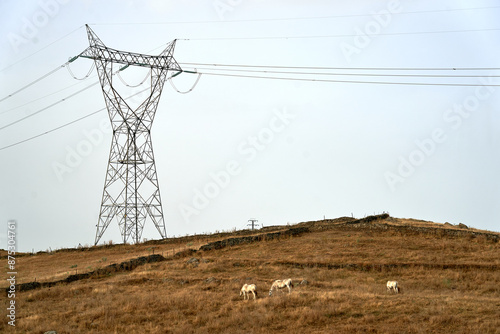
176	297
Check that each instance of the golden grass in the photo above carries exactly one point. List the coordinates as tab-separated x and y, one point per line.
56	265
177	297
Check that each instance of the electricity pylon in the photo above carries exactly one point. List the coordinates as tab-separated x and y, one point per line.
252	222
131	191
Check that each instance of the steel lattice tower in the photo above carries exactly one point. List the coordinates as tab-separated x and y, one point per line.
131	191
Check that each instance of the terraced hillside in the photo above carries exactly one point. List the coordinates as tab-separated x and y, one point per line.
449	277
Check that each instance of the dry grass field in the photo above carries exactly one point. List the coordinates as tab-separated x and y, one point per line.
450	284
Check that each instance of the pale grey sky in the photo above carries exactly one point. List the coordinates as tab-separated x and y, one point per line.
235	148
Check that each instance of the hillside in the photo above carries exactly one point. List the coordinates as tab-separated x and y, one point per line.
449	277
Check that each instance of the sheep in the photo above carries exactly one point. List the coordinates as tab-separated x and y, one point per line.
280	284
392	286
246	289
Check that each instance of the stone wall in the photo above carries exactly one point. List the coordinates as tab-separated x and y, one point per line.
253	238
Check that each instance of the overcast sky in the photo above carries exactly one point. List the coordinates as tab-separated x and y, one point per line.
235	148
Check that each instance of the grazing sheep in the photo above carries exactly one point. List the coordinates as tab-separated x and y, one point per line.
392	286
280	284
246	289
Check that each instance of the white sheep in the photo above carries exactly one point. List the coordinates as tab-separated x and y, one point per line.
280	284
392	286
246	289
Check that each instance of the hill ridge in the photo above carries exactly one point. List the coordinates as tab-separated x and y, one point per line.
450	282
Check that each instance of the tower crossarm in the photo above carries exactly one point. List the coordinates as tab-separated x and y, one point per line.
100	53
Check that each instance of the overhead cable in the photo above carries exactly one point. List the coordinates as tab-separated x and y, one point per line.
72	122
351	68
69	123
45	47
40	98
354	81
49	106
293	18
34	82
47	132
336	36
344	74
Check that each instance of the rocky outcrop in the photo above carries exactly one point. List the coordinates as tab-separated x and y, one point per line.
377	222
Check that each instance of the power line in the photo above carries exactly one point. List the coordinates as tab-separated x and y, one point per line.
78	83
55	129
50	106
284	37
244	68
354	81
263	77
252	69
66	64
70	96
291	18
34	82
74	121
336	36
67	124
345	74
264	20
45	47
40	98
52	72
353	68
